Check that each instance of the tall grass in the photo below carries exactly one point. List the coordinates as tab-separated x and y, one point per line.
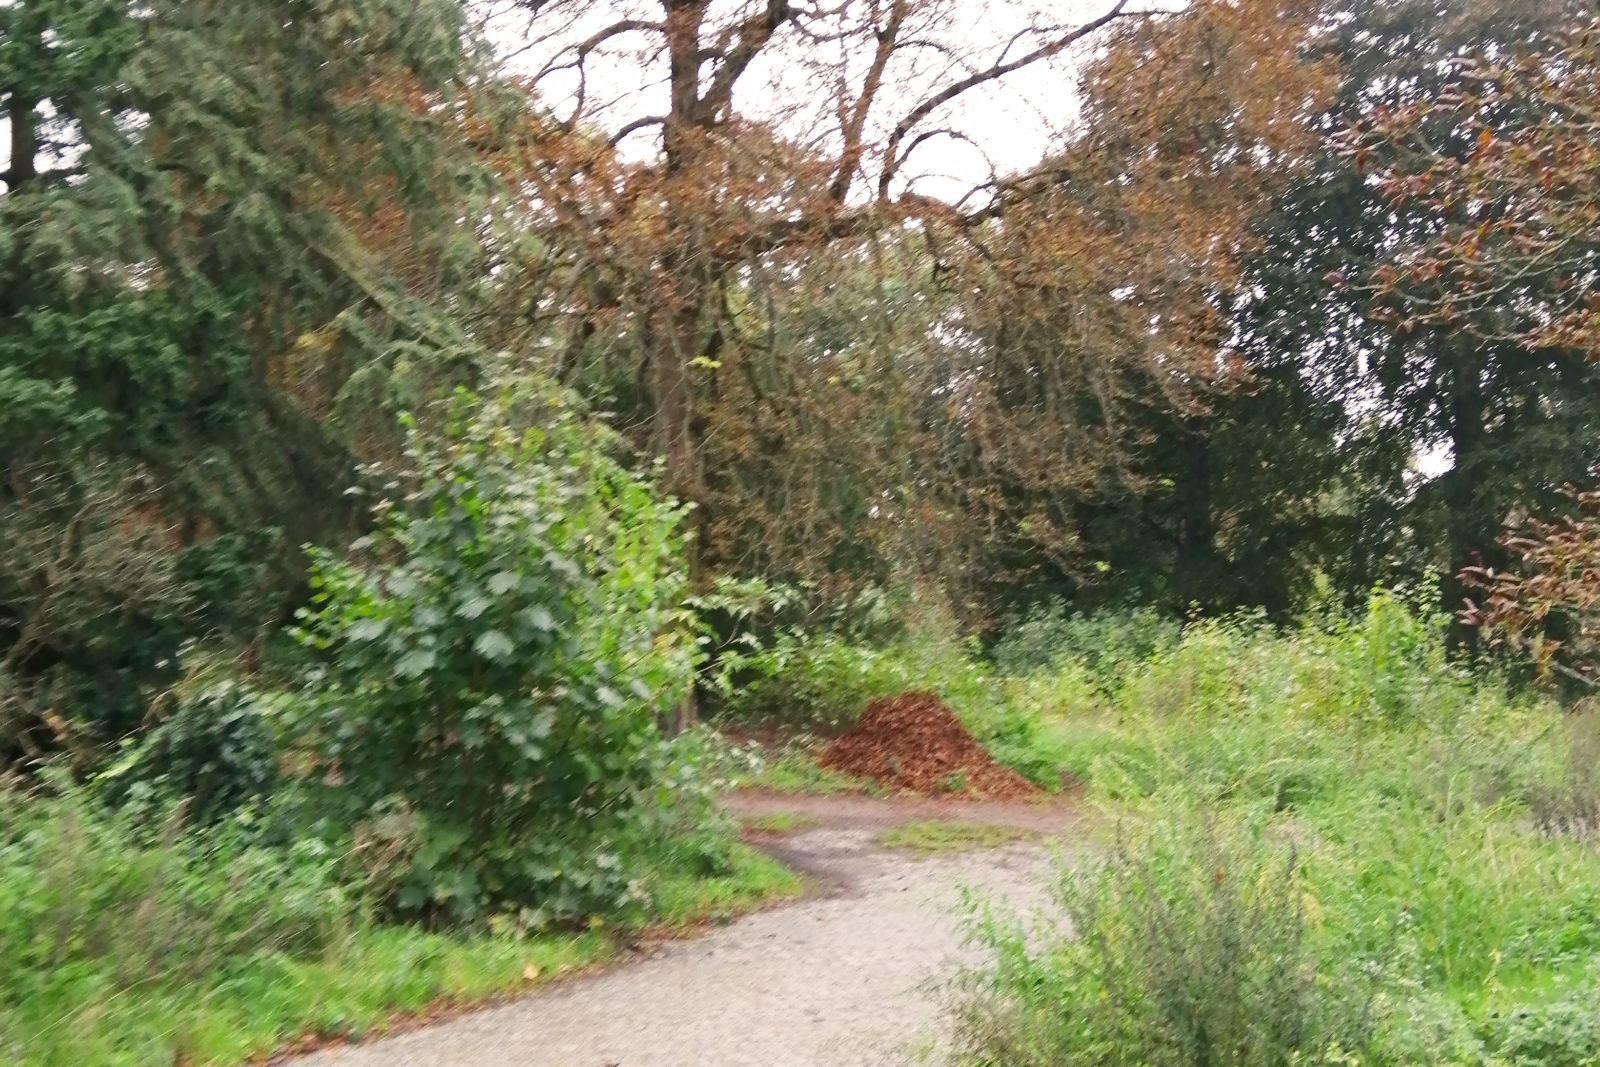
126	943
1192	947
1443	905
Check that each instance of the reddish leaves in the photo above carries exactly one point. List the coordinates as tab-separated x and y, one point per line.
1514	219
913	742
1549	607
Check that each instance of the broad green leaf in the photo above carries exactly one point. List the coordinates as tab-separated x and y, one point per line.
367	629
415	662
492	644
539	618
502	582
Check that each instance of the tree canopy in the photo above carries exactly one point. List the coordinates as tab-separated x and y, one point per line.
1286	302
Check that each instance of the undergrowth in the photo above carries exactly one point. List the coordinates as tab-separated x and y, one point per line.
1334	846
133	942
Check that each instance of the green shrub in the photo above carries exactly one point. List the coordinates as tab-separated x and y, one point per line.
106	902
1564	1033
492	675
1568	800
132	939
1442	823
822	682
215	751
1191	950
91	611
1108	644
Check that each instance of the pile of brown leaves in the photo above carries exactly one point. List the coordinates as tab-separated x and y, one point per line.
913	742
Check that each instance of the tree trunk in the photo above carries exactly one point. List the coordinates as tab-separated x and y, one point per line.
672	347
684	288
24	166
1197	535
1473	529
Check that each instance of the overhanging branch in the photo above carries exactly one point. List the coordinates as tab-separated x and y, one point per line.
894	157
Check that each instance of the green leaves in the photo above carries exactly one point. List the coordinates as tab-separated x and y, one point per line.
416	663
494	645
473	606
222	264
539	618
367	629
501	674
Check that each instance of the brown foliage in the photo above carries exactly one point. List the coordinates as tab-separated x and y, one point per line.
1517	247
830	358
1517	213
1549	607
73	556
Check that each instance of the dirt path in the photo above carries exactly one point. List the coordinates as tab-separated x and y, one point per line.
844	979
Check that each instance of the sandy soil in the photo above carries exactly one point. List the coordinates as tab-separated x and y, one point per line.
848	978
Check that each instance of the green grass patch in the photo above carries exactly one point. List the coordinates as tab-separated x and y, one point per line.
752	881
1327	845
121	949
795	771
933	836
260	1002
786	767
779	822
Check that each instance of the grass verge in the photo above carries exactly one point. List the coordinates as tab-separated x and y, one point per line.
1336	847
781	822
127	952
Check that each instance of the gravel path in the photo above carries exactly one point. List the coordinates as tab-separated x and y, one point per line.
847	979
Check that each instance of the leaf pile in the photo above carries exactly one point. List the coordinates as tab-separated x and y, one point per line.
913	742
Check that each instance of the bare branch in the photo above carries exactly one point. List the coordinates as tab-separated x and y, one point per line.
893	157
634	127
753	35
850	159
580	53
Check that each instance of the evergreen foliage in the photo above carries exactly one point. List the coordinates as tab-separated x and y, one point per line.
201	315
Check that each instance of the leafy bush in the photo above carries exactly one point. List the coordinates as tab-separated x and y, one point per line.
97	907
91	610
1565	1033
1108	643
215	751
1191	950
491	676
1441	822
131	938
822	682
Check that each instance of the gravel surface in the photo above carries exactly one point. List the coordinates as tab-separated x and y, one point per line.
847	979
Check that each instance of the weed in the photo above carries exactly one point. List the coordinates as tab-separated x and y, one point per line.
787	767
127	947
1440	906
782	822
1108	644
1190	949
931	836
1571	803
796	771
